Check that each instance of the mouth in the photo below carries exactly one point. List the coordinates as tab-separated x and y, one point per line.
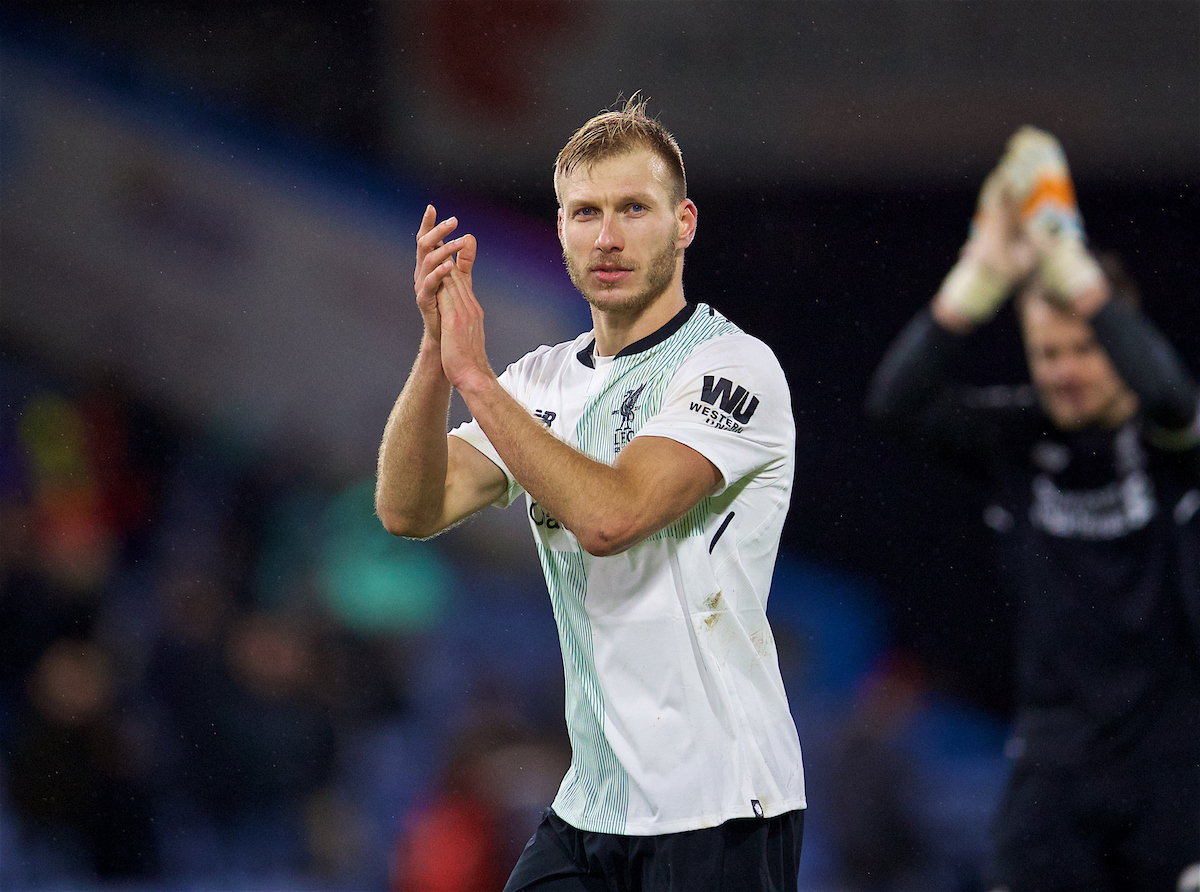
1070	394
610	275
1069	406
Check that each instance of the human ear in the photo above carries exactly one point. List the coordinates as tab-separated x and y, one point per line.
686	219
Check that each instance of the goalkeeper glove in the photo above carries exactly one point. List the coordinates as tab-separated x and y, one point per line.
1036	173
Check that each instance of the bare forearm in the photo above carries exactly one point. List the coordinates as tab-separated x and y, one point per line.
588	497
411	477
539	461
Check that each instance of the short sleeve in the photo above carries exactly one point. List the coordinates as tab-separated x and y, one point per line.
730	402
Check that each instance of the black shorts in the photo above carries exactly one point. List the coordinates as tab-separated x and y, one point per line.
743	855
1132	826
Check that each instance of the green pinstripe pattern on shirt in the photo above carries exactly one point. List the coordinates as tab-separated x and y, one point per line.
596	784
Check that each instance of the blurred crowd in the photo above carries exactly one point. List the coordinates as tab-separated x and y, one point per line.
190	697
218	671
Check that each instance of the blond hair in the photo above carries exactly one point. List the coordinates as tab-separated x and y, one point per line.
618	132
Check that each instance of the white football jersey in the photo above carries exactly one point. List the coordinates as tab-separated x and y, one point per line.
675	706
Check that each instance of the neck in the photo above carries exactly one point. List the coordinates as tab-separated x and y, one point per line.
617	329
1122	408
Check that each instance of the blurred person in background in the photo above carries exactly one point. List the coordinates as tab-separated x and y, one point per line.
252	744
460	837
74	498
77	778
75	504
876	816
155	726
1095	476
656	452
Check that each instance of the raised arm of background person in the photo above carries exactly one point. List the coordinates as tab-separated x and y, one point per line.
916	398
608	508
1036	176
1167	393
913	371
426	482
995	255
913	396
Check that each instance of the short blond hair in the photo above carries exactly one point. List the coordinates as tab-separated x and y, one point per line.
617	132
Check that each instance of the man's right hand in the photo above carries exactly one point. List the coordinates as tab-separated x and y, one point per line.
993	258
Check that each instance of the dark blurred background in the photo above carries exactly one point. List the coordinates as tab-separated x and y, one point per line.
219	672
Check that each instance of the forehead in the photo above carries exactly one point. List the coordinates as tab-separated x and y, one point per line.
637	172
1042	324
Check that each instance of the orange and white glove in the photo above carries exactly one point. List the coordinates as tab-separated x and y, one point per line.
1036	173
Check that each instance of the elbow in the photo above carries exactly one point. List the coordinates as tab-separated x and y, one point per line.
399	527
879	410
1172	411
608	539
599	546
404	526
404	517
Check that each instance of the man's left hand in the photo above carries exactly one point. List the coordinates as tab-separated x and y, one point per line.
464	357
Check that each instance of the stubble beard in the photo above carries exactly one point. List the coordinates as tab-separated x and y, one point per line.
659	274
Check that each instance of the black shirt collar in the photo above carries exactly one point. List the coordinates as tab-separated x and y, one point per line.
677	322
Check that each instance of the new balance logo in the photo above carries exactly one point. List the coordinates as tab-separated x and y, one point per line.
736	405
546	416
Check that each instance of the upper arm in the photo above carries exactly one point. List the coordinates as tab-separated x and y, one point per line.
669	477
730	403
725	415
473	481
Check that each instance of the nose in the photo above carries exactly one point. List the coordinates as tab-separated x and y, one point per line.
611	236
